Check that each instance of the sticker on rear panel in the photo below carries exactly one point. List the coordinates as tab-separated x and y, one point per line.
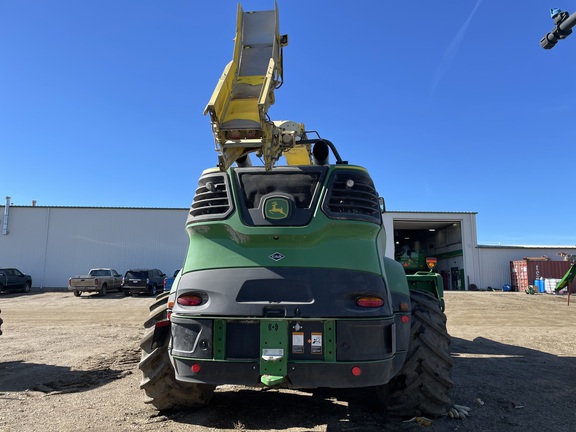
316	343
298	342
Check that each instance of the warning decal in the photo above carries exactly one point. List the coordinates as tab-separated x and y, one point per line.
316	343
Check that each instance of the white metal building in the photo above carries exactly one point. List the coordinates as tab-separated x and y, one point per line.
494	274
55	243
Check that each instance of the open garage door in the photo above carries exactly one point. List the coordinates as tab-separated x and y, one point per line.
415	240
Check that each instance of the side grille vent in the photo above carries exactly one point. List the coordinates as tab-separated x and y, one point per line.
212	198
352	195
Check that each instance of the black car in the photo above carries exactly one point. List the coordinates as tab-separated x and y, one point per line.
12	279
143	281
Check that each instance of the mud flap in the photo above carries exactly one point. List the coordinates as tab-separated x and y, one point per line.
161	330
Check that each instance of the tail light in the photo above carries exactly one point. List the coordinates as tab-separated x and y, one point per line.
190	299
369	302
147	281
164	283
96	282
69	281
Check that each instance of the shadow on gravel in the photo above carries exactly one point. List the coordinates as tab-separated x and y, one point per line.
517	386
507	387
263	410
18	376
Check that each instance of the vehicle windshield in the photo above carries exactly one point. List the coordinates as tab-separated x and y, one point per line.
136	275
300	185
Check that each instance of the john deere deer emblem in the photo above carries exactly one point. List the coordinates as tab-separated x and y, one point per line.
276	208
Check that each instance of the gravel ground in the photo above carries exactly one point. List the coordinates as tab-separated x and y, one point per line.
70	364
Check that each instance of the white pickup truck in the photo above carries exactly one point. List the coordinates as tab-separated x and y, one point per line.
98	280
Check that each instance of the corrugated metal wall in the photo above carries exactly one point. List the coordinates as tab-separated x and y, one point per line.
55	243
495	261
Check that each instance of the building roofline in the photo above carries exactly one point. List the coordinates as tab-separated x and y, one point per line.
99	207
430	212
527	246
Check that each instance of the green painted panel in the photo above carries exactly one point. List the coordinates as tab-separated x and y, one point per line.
326	244
330	341
273	347
219	339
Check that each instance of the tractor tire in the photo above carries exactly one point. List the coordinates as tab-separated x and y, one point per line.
158	381
421	387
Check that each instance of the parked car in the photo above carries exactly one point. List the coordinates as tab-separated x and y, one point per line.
143	281
168	281
99	280
12	279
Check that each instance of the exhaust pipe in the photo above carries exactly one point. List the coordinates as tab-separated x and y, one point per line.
244	161
320	153
6	212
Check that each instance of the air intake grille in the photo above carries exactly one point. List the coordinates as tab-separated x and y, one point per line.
352	195
212	198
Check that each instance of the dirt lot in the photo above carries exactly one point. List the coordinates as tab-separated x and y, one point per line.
70	364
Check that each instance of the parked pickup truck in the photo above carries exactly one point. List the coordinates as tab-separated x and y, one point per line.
169	281
98	280
12	279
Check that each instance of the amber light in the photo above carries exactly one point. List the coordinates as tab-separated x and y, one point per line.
189	300
370	302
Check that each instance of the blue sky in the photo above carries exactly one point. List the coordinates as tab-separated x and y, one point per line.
451	105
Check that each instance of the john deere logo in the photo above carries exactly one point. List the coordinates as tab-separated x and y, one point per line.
276	208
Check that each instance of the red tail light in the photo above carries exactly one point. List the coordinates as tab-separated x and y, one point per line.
96	282
189	300
369	302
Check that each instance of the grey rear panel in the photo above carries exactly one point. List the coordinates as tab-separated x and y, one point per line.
284	292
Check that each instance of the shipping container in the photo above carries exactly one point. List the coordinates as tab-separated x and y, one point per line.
524	272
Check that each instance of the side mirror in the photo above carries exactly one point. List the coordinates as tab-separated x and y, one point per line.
382	205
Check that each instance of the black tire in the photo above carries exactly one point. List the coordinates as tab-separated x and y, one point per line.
159	383
153	290
160	300
421	387
127	292
104	290
26	288
77	293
